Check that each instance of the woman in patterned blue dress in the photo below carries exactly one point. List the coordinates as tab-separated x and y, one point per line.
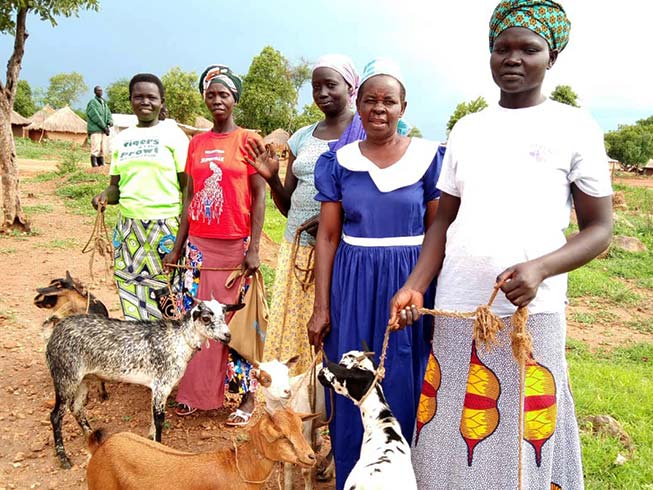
378	196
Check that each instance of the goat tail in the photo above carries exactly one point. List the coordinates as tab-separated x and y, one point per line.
96	439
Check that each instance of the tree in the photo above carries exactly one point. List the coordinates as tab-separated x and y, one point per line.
300	73
183	100
64	89
24	102
465	108
118	97
13	21
631	145
310	114
414	132
565	95
269	97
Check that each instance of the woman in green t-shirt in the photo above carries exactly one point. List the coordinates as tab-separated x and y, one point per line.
147	181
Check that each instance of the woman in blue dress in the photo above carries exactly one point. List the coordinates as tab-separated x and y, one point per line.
377	197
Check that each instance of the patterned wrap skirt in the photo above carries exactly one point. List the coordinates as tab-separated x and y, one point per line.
203	383
467	432
290	310
139	248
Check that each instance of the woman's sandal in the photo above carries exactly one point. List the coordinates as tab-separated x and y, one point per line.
182	409
238	413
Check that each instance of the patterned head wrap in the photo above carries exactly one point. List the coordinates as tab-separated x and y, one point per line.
544	17
221	74
382	66
344	66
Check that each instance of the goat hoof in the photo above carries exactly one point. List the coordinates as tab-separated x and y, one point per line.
65	463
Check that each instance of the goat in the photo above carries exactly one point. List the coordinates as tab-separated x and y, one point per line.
150	353
66	297
126	461
280	390
384	461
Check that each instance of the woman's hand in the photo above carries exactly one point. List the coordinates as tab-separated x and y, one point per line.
263	158
520	282
310	226
404	308
318	327
252	261
171	258
100	201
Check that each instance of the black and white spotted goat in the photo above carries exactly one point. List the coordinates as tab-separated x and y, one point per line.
149	353
384	461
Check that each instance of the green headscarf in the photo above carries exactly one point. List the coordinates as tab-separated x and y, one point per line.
221	74
546	18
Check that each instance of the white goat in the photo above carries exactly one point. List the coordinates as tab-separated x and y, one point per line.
384	461
281	391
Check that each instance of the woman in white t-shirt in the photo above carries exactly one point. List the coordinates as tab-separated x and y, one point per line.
508	180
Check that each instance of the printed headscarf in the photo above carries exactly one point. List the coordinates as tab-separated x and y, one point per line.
344	66
544	17
221	74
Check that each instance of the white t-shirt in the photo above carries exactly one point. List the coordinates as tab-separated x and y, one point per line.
512	170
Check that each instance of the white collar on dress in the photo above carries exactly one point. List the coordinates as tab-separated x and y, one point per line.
404	172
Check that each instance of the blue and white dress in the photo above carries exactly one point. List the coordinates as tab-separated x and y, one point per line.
383	229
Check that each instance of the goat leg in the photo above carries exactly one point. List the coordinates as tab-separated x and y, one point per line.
104	395
158	414
56	416
77	407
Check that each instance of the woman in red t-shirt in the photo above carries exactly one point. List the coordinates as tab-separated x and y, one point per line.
224	206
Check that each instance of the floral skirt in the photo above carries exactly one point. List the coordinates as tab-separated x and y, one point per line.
290	310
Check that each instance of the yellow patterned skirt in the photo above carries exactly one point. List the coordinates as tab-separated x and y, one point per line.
290	310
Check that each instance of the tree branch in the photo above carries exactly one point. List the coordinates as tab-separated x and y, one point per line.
13	66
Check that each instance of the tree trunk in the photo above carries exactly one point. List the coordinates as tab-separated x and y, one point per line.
13	217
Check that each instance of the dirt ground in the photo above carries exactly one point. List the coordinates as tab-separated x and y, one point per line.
27	457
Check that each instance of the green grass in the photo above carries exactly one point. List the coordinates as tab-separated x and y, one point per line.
37	209
275	222
49	150
594	280
60	243
7	251
644	325
584	318
619	384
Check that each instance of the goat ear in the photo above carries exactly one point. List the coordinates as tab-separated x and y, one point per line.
290	363
270	432
68	276
236	307
308	416
196	311
263	378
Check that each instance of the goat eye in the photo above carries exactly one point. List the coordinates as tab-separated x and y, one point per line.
206	318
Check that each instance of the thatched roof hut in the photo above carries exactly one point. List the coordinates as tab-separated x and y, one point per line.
62	125
279	141
18	122
41	115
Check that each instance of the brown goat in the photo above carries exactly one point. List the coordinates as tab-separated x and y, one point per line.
126	461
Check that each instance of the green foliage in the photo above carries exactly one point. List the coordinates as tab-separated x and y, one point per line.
183	100
415	132
269	97
465	108
275	222
311	114
300	73
65	89
24	102
565	95
632	145
46	9
68	164
48	150
118	97
614	384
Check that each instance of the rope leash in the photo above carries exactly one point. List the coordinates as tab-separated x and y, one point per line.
99	242
240	473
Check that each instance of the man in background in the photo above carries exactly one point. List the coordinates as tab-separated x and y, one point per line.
99	121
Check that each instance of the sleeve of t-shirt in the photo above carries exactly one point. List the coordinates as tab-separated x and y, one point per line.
179	149
327	178
297	139
447	180
430	178
589	166
247	135
189	157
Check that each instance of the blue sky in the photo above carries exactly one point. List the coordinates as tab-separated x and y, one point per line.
440	45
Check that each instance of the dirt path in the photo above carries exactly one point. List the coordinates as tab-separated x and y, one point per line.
26	451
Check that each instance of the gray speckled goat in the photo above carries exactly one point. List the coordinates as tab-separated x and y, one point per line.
150	353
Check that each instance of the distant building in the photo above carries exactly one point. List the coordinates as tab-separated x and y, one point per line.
61	125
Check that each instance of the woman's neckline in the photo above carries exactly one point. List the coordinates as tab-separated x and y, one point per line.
408	147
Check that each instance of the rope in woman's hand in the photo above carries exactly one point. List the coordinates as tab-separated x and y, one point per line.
100	243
